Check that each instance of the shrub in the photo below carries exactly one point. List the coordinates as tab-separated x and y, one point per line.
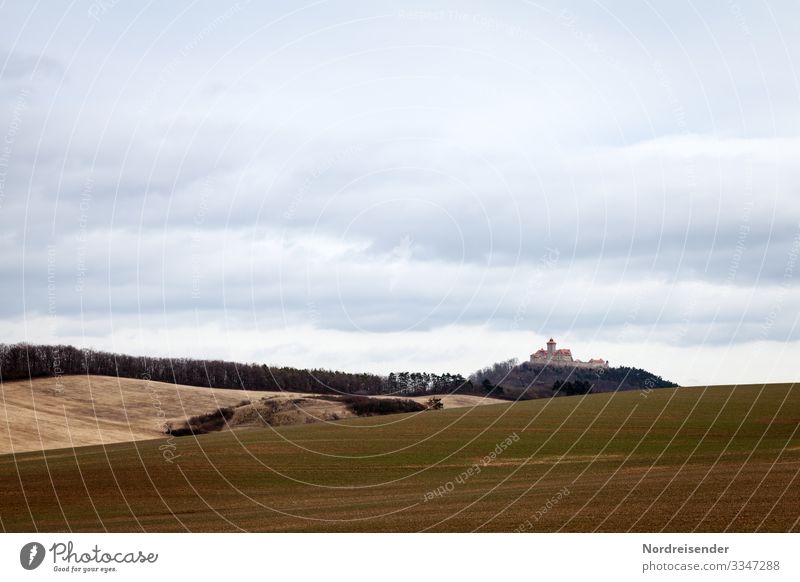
366	406
203	423
435	404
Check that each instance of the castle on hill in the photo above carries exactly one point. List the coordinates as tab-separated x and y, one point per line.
563	357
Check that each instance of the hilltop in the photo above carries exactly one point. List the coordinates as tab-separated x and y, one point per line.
553	371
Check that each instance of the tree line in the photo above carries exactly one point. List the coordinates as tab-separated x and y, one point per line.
572	388
26	361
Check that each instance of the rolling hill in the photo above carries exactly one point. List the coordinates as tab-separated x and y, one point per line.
80	410
47	413
722	458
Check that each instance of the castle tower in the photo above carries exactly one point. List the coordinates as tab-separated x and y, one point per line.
551	348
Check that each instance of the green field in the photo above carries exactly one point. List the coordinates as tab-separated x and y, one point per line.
706	459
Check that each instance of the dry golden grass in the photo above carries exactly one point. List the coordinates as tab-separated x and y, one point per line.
76	411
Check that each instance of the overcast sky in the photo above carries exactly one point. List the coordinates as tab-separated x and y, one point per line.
359	186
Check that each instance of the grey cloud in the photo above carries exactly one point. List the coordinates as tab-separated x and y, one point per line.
27	67
414	173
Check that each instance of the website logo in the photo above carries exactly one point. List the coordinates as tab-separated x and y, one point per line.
31	555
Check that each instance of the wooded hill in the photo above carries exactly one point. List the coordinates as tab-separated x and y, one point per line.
511	379
24	361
